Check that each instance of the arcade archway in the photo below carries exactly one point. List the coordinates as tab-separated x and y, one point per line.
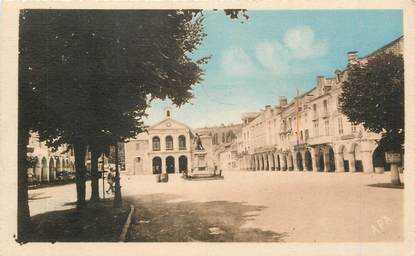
157	165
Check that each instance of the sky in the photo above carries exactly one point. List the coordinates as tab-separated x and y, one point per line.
273	54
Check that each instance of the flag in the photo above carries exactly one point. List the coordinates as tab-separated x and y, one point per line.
297	105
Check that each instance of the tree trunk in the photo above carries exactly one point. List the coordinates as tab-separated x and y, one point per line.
94	174
80	151
117	196
23	213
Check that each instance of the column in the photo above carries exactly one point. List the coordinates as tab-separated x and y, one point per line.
352	163
295	164
163	164
283	163
289	162
326	162
277	165
176	164
367	161
266	162
340	163
314	159
272	161
303	162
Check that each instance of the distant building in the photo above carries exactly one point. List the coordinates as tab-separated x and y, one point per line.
309	133
45	164
228	157
165	147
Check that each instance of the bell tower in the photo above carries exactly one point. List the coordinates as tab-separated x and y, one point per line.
167	112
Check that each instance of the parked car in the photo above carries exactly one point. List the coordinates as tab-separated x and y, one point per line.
65	176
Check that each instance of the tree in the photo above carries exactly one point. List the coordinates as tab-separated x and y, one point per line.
84	73
373	95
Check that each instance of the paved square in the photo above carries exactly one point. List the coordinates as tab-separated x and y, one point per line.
276	206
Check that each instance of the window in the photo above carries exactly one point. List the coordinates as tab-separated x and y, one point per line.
169	143
315	108
182	142
353	128
316	128
340	121
325	106
137	146
327	127
168	113
306	134
156	143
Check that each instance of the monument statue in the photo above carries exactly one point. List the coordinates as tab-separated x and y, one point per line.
198	143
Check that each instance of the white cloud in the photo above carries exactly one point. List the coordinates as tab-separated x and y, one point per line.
273	57
235	62
302	43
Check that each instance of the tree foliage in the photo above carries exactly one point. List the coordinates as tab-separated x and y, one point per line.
86	77
373	95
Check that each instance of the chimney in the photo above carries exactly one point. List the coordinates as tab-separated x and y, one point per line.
320	80
352	57
283	101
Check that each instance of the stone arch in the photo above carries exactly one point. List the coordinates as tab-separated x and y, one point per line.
320	160
356	157
64	165
290	162
278	162
299	159
266	159
58	164
331	160
36	169
157	165
342	161
308	162
44	171
72	166
170	164
52	170
273	162
183	164
285	162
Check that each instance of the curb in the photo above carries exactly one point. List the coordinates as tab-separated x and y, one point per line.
127	223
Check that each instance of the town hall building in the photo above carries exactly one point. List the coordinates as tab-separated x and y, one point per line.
164	148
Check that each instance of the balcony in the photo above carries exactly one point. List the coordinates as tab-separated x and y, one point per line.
316	140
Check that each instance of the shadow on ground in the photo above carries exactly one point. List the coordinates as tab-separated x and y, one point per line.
387	185
98	222
158	218
37	196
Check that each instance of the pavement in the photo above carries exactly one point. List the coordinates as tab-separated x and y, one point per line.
297	206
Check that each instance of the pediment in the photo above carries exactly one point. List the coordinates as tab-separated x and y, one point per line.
168	124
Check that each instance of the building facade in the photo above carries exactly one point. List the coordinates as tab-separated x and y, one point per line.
45	163
309	133
164	148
